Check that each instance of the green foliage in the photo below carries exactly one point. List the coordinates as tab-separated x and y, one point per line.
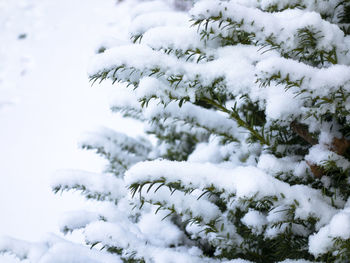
179	136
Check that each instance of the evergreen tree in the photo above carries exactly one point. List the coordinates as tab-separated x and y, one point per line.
246	154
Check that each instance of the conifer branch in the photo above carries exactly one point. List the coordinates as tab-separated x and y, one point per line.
239	121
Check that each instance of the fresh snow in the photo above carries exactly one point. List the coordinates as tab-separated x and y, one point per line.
222	162
244	182
46	103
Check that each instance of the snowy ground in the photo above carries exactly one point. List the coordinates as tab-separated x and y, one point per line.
46	102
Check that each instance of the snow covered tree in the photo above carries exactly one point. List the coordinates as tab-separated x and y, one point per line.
245	158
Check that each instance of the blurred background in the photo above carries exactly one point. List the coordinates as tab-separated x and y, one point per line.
47	102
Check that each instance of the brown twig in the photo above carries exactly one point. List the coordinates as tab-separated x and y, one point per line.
339	146
303	132
317	171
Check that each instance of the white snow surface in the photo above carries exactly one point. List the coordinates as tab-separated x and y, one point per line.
242	181
255	220
55	250
46	102
338	227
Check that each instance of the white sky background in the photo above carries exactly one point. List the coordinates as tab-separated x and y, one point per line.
46	103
